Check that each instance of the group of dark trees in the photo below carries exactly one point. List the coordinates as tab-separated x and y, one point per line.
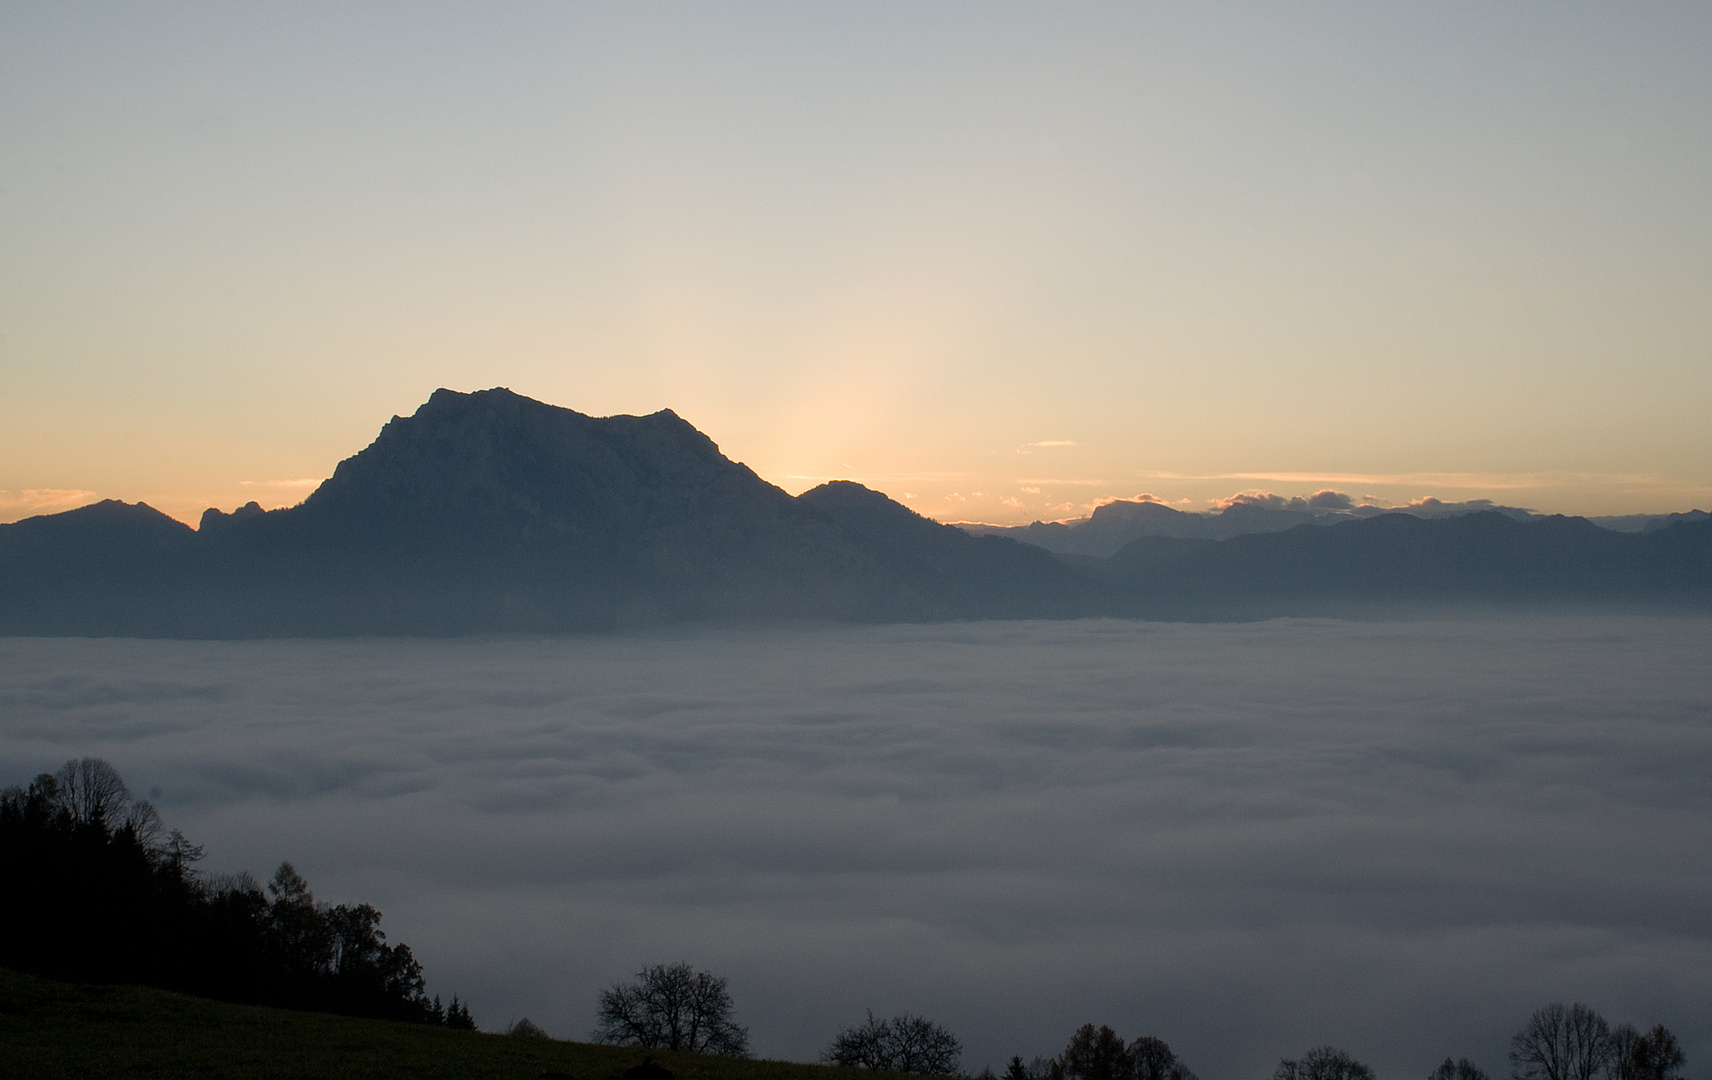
1559	1042
96	889
676	1007
1099	1053
904	1043
1329	1063
1572	1042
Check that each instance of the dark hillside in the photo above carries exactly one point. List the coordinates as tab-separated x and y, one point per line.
984	577
96	566
1479	559
65	1031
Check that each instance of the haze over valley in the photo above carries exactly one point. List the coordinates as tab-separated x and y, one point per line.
1246	839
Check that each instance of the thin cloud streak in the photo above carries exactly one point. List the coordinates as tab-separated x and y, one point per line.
1045	444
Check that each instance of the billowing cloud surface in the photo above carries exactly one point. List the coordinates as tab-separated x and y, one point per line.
1429	506
1318	501
1246	839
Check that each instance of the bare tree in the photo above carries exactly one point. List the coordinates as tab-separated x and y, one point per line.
1561	1043
672	1007
1460	1069
1322	1063
91	791
906	1043
921	1046
1620	1063
861	1047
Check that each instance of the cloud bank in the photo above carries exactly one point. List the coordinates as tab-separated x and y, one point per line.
1246	839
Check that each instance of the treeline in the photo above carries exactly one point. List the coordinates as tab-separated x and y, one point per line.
1099	1053
1559	1042
97	890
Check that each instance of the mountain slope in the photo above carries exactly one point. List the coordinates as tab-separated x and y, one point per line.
73	1031
971	576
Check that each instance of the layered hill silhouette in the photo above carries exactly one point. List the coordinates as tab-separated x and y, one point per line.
494	513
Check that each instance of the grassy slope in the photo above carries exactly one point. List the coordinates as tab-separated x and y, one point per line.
52	1029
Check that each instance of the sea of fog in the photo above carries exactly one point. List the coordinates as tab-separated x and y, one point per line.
1399	838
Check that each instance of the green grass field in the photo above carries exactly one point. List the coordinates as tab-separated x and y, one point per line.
52	1029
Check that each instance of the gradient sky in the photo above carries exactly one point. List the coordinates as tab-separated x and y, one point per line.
1000	261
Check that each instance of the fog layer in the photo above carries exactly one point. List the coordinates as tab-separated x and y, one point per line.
1399	838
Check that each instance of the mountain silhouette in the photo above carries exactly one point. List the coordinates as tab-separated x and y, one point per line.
482	513
490	513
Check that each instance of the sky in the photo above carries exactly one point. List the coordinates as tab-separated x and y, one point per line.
1246	839
999	261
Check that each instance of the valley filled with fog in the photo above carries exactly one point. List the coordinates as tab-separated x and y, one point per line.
1247	839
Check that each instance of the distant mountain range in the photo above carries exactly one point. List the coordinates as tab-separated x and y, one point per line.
1115	524
493	513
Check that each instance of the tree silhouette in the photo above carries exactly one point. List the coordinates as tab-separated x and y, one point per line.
1656	1056
1097	1054
905	1043
1460	1069
91	792
1621	1064
1561	1043
672	1007
1322	1063
1041	1068
1152	1059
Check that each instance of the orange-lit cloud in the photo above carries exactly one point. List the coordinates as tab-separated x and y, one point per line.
1143	497
1324	499
32	501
